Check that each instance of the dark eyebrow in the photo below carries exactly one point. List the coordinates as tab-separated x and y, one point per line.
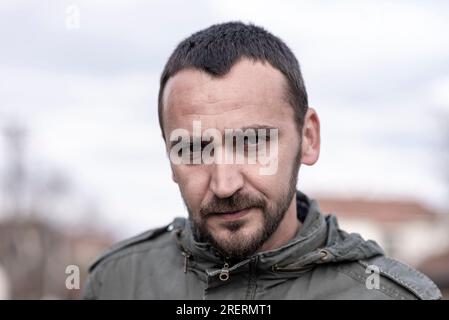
172	143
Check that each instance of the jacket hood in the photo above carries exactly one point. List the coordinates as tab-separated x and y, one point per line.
318	241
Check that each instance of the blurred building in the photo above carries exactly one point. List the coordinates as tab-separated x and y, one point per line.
406	230
437	268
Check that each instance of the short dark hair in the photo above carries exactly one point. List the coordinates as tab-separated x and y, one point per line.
217	48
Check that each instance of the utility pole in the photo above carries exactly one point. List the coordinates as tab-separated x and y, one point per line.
15	168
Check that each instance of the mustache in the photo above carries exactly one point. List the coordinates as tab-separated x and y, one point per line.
236	202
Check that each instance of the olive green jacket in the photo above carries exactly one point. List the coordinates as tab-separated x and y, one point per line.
320	262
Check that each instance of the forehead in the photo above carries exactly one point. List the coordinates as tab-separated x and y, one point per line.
251	92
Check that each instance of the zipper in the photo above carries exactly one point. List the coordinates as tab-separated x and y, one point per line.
224	273
252	283
184	252
186	260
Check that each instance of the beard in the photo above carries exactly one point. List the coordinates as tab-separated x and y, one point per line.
239	245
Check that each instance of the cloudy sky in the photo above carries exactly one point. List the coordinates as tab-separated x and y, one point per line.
86	90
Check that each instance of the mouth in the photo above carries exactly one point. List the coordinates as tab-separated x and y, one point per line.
232	215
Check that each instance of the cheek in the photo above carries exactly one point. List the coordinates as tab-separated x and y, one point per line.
193	184
272	185
288	150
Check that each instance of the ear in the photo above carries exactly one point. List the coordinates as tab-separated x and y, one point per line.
310	138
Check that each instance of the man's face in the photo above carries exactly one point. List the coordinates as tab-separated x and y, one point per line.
234	206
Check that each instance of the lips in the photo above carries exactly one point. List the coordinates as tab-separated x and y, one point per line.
232	215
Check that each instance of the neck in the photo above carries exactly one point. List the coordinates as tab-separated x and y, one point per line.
286	230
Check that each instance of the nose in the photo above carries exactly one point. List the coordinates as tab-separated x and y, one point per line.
226	179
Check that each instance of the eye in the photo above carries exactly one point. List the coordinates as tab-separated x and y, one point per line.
195	153
258	138
190	149
251	141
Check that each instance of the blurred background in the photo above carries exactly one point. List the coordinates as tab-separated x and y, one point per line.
82	163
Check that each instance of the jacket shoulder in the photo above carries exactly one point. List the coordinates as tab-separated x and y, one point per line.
137	240
404	276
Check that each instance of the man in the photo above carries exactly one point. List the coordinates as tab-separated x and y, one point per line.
234	91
